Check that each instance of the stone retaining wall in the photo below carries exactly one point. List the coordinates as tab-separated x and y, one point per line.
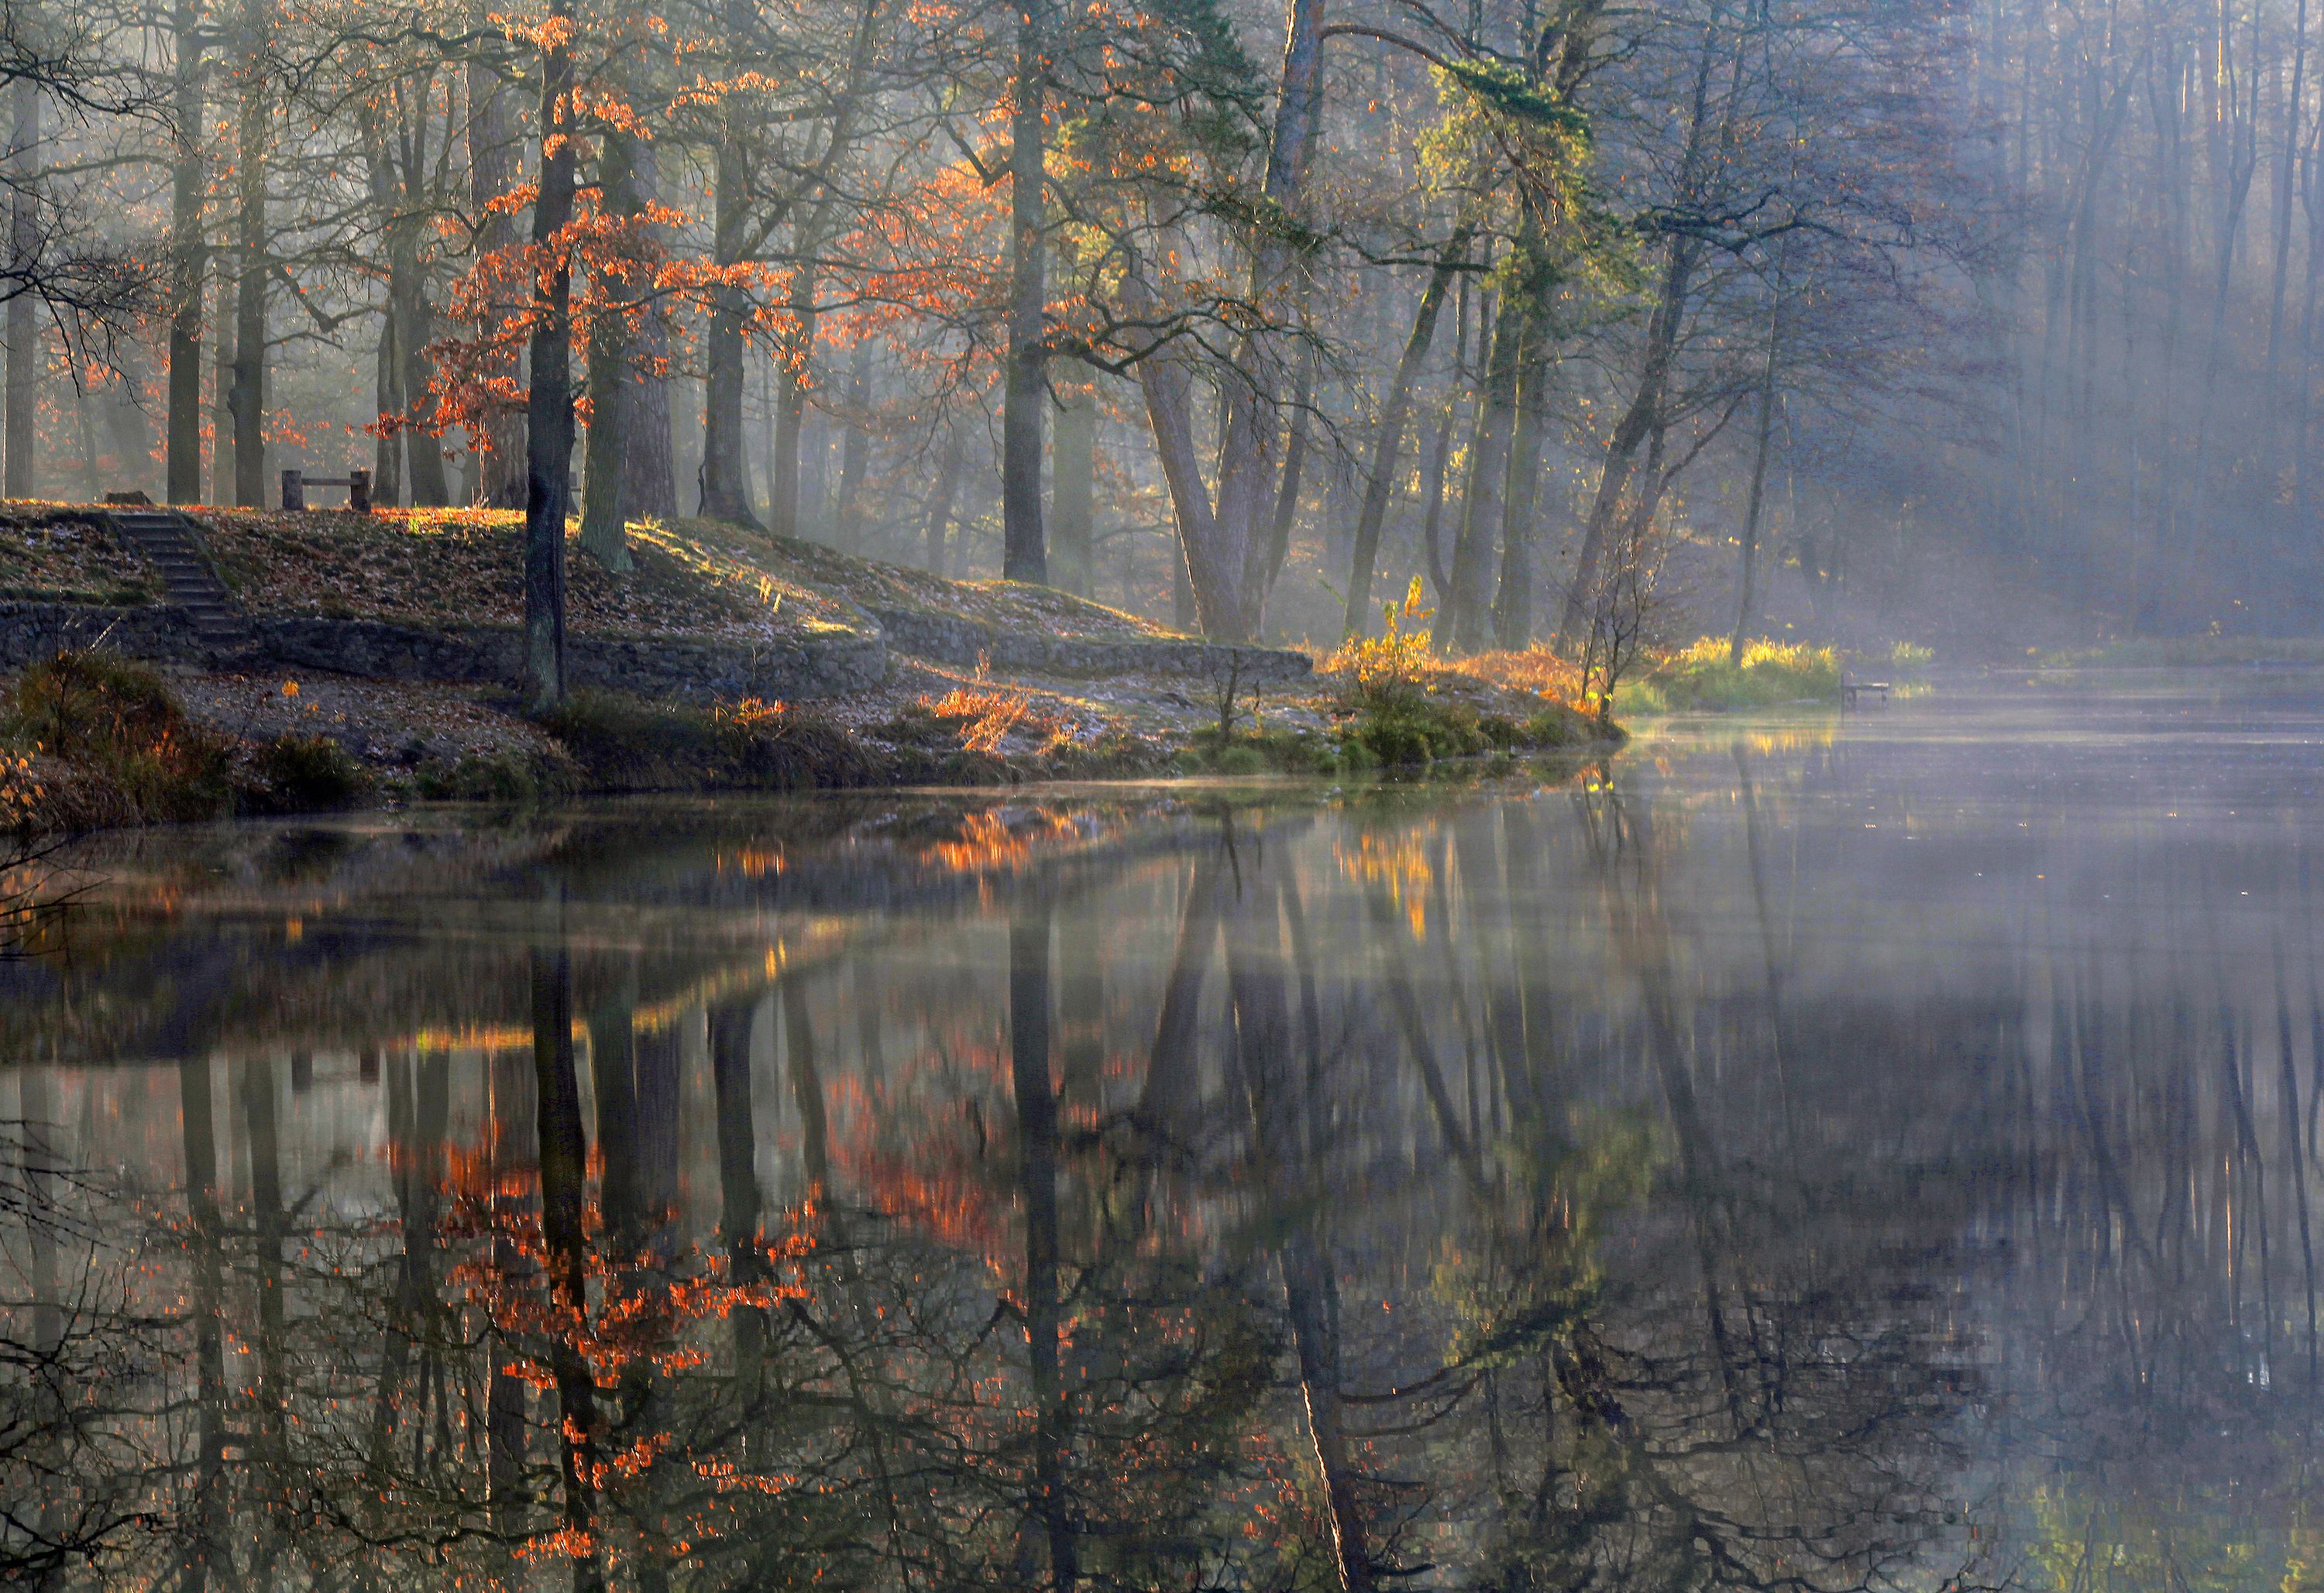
949	638
689	671
31	630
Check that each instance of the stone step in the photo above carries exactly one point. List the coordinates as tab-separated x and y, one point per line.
164	541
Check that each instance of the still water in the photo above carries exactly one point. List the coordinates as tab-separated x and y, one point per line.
1806	1157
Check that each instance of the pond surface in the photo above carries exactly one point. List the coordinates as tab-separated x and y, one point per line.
1817	1156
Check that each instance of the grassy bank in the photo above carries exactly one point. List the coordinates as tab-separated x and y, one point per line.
90	740
1705	676
1393	703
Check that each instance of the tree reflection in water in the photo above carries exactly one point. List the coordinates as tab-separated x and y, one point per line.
1488	1190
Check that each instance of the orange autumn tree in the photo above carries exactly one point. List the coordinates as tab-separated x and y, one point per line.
524	295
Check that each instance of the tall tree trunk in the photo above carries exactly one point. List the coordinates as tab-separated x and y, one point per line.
612	390
221	384
387	364
2303	467
90	490
1037	1158
2295	103
209	1551
247	402
649	457
399	190
1463	628
269	1442
24	356
1395	415
564	1178
810	226
1747	578
189	259
414	327
498	442
1258	1000
1287	493
1248	464
792	366
725	475
548	408
515	1158
1024	548
940	501
627	471
1184	614
1225	550
1640	417
1513	607
1431	519
2239	131
739	1203
854	452
1212	563
387	400
1073	480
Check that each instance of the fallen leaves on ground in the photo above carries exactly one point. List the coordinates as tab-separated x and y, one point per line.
58	554
442	567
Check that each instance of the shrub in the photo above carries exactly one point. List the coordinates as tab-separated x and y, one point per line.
769	744
1393	668
627	741
984	718
610	733
129	752
299	774
1260	749
491	776
1702	677
1420	730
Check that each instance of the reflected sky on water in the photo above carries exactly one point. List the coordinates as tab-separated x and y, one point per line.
1815	1156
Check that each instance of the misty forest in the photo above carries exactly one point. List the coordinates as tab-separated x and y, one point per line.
1991	322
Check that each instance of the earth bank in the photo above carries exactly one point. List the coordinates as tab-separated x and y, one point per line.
285	661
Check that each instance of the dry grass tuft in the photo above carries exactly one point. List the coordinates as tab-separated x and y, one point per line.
985	717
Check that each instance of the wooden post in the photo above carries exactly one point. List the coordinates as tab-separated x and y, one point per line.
294	489
359	491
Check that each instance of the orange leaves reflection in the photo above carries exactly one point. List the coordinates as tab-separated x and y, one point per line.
1399	862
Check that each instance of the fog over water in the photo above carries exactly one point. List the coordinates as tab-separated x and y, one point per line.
1814	1155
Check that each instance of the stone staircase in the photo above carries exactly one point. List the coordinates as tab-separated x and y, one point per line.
166	540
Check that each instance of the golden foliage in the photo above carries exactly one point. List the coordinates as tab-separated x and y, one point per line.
987	716
1395	664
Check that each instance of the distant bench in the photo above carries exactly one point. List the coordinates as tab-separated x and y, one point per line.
1853	692
357	483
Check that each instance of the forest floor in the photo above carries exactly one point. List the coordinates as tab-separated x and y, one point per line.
182	741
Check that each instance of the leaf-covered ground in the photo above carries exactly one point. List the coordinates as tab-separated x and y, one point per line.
440	568
57	554
1010	604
